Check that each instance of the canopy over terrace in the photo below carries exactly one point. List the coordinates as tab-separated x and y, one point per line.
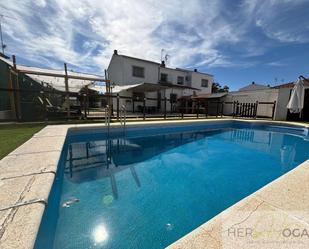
60	85
209	96
140	87
56	78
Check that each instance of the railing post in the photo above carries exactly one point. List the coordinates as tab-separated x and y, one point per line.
207	105
144	109
118	106
164	107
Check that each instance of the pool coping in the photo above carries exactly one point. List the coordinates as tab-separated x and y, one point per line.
28	172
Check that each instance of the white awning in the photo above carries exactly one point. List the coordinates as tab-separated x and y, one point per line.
141	87
101	88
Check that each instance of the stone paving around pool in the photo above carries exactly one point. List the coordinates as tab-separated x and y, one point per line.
276	216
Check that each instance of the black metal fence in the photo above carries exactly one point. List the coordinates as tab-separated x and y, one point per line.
43	104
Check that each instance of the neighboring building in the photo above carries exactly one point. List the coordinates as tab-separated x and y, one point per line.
156	81
263	94
253	86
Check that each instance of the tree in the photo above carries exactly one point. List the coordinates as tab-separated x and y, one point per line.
217	88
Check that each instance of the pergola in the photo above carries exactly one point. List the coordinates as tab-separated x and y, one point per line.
62	80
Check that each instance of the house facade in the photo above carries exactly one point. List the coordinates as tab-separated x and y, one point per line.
172	83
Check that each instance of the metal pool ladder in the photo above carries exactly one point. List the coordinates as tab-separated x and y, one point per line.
123	117
107	116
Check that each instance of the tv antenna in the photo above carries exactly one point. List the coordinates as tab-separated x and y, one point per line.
3	46
162	54
167	58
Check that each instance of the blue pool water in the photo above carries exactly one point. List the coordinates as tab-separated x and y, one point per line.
154	185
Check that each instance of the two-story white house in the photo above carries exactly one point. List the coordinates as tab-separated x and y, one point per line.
139	79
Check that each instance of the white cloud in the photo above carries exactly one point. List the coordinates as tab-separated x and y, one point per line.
85	33
282	20
40	3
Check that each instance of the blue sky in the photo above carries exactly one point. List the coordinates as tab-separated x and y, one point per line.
236	41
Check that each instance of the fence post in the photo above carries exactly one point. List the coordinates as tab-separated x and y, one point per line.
198	108
182	107
273	111
66	82
222	103
144	109
17	93
246	109
86	102
207	105
256	108
164	107
252	110
233	114
118	106
217	113
44	103
85	105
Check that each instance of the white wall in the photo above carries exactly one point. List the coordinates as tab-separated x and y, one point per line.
268	95
196	82
115	70
173	74
120	71
282	102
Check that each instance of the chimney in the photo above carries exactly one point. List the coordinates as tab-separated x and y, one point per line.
195	70
115	52
162	63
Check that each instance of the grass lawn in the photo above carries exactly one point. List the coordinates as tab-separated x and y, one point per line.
13	135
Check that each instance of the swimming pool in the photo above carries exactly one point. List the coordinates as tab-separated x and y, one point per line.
149	186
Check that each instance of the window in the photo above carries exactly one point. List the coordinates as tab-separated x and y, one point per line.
204	83
163	77
180	80
138	71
